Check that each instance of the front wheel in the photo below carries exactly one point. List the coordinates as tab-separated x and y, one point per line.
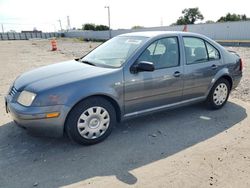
91	121
219	94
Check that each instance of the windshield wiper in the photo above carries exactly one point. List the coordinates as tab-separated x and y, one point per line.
87	62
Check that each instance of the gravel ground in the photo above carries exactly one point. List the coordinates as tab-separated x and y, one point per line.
243	90
69	47
185	147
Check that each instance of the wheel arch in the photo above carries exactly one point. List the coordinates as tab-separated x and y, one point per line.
218	77
114	103
228	78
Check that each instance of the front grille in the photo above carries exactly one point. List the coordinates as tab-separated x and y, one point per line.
13	91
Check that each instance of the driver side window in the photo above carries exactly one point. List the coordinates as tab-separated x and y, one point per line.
163	53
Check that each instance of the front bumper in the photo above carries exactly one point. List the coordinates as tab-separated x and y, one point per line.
34	118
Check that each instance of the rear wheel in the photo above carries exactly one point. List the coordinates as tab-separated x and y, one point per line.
219	94
91	121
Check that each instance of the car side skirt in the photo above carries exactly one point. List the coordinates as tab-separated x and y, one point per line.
164	107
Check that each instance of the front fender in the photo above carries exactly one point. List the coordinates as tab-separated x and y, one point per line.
110	86
109	93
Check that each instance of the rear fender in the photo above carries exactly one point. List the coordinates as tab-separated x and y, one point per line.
219	74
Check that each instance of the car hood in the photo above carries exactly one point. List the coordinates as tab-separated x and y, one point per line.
58	74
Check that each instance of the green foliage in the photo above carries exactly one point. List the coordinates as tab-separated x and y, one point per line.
181	21
101	28
93	27
190	16
88	26
137	27
233	17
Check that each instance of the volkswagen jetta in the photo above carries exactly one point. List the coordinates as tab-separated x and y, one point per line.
130	75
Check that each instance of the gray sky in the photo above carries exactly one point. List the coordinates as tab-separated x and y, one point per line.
27	14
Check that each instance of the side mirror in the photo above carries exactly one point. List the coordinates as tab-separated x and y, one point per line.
142	66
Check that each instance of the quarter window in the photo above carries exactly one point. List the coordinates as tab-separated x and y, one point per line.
213	53
195	50
164	53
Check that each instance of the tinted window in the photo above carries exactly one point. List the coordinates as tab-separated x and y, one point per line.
163	53
195	50
213	53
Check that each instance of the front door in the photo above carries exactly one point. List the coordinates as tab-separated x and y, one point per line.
147	90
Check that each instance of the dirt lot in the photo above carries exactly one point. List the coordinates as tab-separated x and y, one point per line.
187	147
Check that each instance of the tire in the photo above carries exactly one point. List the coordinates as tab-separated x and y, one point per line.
218	95
90	121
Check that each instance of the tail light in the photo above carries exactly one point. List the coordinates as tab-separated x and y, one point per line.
241	65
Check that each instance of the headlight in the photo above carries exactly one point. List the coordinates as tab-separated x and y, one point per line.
26	98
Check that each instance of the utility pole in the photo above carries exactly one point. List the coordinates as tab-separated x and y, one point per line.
60	22
161	21
109	20
68	21
2	28
54	27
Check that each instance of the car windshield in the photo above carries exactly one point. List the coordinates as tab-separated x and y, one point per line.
114	52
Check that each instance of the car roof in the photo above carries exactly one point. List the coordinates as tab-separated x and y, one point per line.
151	34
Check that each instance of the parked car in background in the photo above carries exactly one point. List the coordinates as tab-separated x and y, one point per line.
130	75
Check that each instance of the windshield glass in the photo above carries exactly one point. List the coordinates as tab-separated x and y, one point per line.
114	52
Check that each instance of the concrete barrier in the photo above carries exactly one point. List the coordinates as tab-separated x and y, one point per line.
217	31
27	36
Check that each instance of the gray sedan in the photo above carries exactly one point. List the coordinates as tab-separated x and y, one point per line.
130	75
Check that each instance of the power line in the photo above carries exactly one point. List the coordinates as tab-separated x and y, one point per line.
12	23
7	26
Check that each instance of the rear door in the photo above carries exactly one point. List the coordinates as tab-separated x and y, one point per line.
202	63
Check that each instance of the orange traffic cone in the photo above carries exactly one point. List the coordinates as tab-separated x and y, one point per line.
53	45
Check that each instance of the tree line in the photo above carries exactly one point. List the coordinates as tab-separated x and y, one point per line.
189	16
93	27
192	15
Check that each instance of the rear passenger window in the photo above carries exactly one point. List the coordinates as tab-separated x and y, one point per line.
213	53
195	50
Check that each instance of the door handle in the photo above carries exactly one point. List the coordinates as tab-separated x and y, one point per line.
214	66
177	74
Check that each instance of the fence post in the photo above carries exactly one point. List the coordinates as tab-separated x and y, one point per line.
1	36
7	35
